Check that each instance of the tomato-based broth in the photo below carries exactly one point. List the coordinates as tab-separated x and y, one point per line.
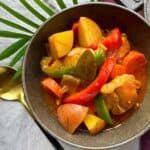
118	120
94	79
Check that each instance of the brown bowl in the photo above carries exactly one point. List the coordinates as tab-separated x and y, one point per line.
107	16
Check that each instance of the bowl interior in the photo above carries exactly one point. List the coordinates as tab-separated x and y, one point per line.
107	16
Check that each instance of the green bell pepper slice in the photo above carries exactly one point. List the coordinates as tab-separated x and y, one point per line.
100	56
102	110
56	71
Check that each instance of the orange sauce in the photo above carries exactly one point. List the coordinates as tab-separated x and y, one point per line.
118	119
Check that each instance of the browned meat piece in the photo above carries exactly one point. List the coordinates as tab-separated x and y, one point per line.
121	94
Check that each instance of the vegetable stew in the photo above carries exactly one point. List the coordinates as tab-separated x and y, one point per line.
96	78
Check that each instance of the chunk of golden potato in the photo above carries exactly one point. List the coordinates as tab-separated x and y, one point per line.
94	123
60	43
89	33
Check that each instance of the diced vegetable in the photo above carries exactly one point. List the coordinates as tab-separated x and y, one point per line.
86	68
117	70
100	55
55	69
52	86
75	31
71	83
94	124
58	73
46	61
86	95
96	79
89	33
113	41
124	49
56	64
61	43
71	116
134	62
72	58
102	109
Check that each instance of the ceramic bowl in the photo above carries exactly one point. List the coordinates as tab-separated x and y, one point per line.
107	16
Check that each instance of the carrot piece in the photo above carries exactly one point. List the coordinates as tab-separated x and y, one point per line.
52	86
117	70
134	63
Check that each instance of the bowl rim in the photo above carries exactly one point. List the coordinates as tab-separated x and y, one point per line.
146	7
35	116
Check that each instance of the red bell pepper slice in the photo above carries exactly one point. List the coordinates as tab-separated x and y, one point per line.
86	95
113	41
75	30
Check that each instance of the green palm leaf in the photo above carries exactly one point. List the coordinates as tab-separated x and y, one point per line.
17	74
32	10
46	8
18	56
61	4
12	48
14	25
21	44
75	1
19	16
9	34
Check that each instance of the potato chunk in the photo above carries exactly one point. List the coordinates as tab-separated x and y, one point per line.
94	123
89	33
60	43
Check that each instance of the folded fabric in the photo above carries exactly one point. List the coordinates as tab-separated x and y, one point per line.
18	130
